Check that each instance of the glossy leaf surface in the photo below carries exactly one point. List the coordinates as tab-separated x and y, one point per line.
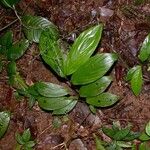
65	109
34	25
83	48
50	89
54	103
17	50
145	49
52	53
4	122
94	68
137	81
96	87
103	100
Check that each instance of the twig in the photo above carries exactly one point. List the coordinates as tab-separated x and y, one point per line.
9	25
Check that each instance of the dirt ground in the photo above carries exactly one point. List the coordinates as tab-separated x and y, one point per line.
125	27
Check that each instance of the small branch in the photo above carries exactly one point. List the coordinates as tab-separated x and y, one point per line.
15	11
9	25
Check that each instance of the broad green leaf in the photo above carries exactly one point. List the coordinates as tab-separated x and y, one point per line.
50	89
95	88
144	137
4	122
147	129
137	81
99	145
65	109
54	103
103	100
11	68
52	52
5	42
26	135
19	138
30	144
34	25
83	48
131	136
33	91
17	50
116	135
9	3
93	69
109	131
144	146
145	49
124	144
130	73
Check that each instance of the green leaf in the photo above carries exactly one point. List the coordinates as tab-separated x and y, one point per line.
103	100
137	81
19	138
116	135
33	90
54	103
65	109
17	50
83	48
34	25
19	83
99	145
144	146
30	144
144	137
31	101
130	73
131	136
50	89
52	52
11	68
9	3
4	122
145	49
95	88
94	68
92	109
26	135
124	144
147	129
5	42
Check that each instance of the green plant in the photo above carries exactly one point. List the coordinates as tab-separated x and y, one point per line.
145	138
135	75
25	142
121	138
4	122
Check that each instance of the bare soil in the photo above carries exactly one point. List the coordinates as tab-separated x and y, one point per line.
125	27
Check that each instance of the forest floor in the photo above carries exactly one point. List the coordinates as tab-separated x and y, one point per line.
125	27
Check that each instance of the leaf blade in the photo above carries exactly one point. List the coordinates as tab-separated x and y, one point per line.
95	88
94	68
50	89
4	122
83	48
103	100
34	25
145	49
